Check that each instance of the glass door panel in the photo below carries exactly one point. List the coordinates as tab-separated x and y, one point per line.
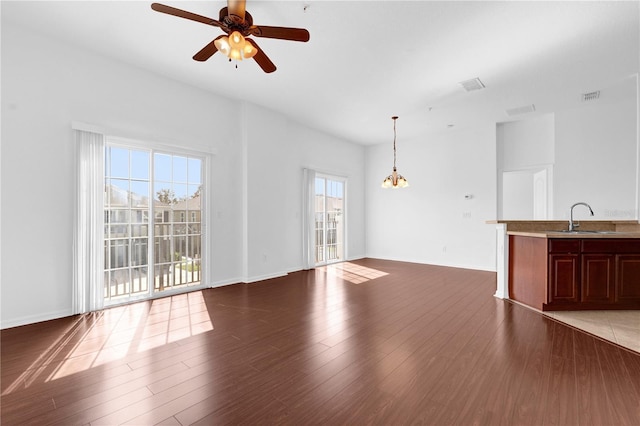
178	213
126	220
329	219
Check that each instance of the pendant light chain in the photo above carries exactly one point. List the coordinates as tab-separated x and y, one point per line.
394	141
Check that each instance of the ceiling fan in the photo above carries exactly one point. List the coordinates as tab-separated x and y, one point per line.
237	23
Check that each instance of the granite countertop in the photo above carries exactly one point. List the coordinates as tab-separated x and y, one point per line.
587	229
578	234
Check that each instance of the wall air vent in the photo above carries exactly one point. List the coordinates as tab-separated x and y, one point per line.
473	84
591	96
521	110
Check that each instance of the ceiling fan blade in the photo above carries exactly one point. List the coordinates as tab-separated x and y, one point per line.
207	51
236	10
282	33
184	14
262	59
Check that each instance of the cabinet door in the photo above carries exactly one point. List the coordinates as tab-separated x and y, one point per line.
564	277
597	278
628	277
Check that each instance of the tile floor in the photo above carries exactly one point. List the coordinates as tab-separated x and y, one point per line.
621	327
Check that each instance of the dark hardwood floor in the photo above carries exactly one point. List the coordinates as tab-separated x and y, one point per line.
364	342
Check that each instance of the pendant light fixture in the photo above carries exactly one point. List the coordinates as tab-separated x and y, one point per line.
394	180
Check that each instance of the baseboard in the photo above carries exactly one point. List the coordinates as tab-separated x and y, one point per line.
31	319
355	258
257	278
226	282
449	265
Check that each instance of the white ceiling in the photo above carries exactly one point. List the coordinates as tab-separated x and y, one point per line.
369	60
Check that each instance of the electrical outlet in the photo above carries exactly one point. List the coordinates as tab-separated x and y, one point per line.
466	215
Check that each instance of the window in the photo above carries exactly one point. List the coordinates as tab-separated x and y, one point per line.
143	256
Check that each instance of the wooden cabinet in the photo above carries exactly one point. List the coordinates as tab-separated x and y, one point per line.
598	278
628	277
564	271
614	271
575	273
564	278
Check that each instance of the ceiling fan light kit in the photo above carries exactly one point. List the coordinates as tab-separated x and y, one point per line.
235	47
237	23
394	180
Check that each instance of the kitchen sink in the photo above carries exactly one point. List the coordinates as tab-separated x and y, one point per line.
566	231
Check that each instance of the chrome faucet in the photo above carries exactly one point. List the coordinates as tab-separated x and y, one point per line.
573	226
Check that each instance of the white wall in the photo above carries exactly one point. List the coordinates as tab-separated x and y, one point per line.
431	221
596	155
43	93
278	150
525	144
592	150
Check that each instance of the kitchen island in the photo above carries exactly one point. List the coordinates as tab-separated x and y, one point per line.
547	268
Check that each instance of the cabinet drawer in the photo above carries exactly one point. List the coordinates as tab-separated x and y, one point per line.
564	246
610	246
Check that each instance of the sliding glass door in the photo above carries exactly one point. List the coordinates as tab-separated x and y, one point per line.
152	218
329	219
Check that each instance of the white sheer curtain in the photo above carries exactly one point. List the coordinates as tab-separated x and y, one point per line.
88	276
308	219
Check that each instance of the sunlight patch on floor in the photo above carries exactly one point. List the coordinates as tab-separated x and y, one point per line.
37	368
98	338
355	274
140	327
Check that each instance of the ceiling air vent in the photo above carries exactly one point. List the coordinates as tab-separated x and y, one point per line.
521	110
591	96
473	84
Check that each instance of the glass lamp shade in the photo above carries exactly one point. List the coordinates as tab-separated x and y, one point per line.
223	45
249	51
402	182
235	54
236	40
